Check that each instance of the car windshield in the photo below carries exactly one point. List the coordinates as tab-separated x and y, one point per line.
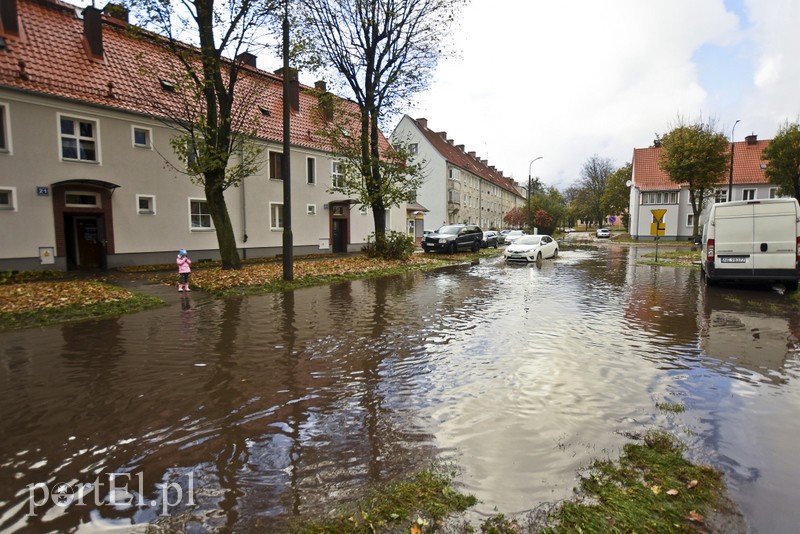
529	240
451	230
514	232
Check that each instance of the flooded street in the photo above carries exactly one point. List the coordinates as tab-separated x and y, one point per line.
242	413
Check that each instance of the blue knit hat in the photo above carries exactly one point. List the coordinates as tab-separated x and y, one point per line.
182	252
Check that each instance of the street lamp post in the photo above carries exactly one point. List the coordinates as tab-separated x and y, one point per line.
730	179
530	217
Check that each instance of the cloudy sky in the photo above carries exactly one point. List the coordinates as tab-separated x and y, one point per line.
569	79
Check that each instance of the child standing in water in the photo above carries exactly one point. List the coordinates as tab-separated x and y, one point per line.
184	268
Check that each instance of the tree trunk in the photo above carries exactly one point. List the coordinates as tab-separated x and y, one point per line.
222	222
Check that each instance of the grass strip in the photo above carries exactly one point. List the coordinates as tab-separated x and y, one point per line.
651	488
414	505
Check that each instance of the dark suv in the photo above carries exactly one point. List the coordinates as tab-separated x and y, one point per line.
454	237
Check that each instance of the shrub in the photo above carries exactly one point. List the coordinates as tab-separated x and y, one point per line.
391	246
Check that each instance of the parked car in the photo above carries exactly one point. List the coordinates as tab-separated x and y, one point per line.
490	239
603	232
513	235
454	237
532	247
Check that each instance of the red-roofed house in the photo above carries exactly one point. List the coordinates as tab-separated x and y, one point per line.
459	187
653	190
85	129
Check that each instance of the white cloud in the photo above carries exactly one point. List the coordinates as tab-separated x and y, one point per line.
566	80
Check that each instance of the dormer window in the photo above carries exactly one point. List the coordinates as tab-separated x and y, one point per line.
264	111
166	85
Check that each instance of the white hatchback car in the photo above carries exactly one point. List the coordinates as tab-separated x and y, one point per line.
532	248
603	232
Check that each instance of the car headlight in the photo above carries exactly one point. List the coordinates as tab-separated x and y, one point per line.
442	241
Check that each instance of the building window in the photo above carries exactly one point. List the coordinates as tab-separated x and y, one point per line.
78	139
275	216
145	204
413	148
748	194
773	192
275	165
311	209
142	137
199	214
79	199
5	142
8	198
336	174
720	196
673	197
311	171
690	220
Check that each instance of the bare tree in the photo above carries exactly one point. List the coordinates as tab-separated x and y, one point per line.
207	111
594	179
385	52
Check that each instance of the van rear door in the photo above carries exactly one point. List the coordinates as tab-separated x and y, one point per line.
734	232
774	235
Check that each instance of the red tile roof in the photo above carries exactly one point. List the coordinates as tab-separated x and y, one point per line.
456	156
747	167
49	57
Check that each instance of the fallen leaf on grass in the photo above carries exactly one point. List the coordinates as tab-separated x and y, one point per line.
691	484
697	518
672	492
656	489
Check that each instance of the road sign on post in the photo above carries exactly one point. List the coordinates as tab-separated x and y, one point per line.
658	228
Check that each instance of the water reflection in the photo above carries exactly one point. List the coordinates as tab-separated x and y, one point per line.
270	407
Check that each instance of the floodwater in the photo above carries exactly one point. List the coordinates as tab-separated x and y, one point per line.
239	414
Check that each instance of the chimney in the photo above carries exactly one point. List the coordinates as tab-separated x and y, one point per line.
423	122
451	141
443	135
492	167
246	58
460	147
116	11
8	17
484	162
320	85
471	154
93	30
751	139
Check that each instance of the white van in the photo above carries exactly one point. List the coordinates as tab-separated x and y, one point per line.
755	240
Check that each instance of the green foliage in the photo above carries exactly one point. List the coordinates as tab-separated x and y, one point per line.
594	178
697	155
390	246
783	155
616	197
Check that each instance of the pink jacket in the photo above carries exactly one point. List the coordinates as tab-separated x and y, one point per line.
184	264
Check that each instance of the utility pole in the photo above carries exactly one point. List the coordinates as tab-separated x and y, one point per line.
286	168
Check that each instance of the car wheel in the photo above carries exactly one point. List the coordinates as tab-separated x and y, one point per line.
476	246
452	249
539	258
495	244
792	285
555	253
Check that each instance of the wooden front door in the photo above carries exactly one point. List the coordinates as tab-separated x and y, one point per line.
89	242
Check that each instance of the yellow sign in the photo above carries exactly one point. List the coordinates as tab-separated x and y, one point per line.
659	227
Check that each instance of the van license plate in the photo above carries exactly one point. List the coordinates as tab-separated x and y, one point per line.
733	259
